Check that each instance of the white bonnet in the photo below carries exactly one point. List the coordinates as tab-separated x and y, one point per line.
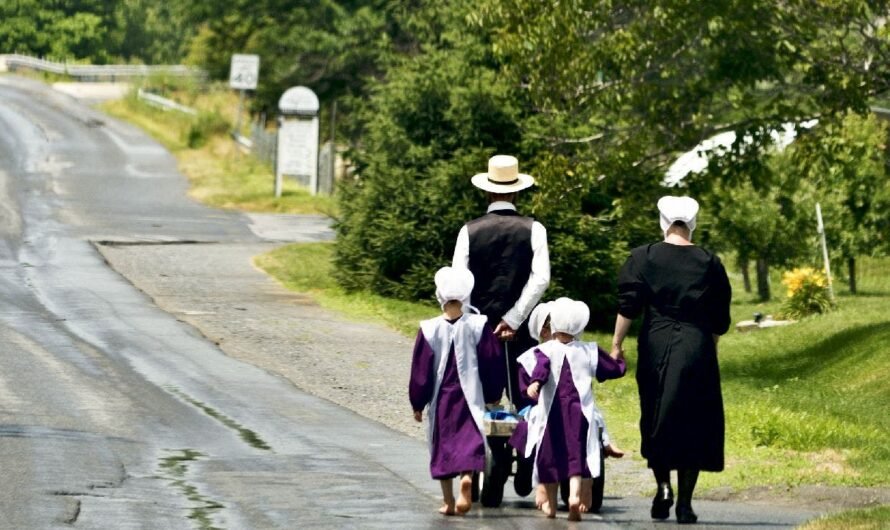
454	284
537	318
673	209
568	316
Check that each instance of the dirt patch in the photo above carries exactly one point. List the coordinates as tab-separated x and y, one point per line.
817	498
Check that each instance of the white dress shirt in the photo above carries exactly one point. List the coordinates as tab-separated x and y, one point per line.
538	279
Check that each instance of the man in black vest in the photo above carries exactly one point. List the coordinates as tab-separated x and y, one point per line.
507	254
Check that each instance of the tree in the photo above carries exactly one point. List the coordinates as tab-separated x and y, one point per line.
846	160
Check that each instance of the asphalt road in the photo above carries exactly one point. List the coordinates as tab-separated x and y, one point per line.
116	414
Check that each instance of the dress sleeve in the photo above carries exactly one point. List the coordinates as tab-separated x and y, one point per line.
492	366
607	367
541	373
423	374
722	299
632	289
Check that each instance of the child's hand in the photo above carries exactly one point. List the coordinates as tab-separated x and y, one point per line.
418	415
533	389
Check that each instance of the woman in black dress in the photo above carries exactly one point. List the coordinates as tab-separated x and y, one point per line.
683	293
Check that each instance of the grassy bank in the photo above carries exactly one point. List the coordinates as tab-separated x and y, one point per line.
307	268
877	518
219	173
805	404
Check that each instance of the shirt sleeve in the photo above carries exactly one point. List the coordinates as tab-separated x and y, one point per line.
632	290
722	299
461	259
423	375
538	279
492	365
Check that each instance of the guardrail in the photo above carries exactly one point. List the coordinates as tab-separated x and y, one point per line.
164	103
95	71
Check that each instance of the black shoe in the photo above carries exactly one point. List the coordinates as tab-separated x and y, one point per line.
685	515
664	499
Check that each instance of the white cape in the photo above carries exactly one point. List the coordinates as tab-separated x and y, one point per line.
465	334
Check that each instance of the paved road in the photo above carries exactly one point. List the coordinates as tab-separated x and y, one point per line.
117	414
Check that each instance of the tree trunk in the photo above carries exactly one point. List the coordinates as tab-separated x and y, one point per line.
746	274
851	272
763	279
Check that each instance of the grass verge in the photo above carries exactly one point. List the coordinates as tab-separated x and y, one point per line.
877	518
307	267
219	173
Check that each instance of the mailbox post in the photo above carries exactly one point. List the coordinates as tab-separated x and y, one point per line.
297	153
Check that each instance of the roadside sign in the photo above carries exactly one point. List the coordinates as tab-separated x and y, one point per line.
244	72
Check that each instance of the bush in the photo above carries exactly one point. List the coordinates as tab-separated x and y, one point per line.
204	126
807	293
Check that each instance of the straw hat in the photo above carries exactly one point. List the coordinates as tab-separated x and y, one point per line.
672	209
503	176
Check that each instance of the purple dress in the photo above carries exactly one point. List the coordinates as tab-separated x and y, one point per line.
606	368
456	445
562	452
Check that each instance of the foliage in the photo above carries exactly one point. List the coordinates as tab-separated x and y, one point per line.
431	126
807	293
150	31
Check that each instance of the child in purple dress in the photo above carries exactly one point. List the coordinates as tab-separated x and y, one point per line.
457	368
562	429
606	368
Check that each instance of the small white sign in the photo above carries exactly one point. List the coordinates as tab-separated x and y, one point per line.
244	72
298	150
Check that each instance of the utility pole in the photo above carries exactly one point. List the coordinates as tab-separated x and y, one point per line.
821	229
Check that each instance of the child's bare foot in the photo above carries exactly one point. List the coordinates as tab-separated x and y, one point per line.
613	451
465	498
540	496
549	510
447	509
574	508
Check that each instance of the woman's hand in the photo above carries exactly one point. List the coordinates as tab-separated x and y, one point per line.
534	389
617	352
418	416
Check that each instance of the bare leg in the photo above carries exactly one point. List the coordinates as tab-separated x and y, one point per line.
447	497
575	498
549	507
540	496
586	494
465	499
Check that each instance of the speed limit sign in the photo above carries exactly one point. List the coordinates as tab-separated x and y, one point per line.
244	72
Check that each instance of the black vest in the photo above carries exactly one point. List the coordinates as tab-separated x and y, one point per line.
500	260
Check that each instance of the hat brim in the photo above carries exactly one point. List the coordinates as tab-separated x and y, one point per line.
523	181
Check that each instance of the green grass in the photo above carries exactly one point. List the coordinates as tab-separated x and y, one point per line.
219	173
307	267
877	518
805	404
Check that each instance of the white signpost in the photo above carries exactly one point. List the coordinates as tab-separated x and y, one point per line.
297	138
244	73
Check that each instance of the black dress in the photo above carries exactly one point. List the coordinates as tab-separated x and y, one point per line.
684	294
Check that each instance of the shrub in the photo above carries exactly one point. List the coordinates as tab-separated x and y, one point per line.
807	293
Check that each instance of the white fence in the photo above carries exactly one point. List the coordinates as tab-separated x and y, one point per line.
164	103
94	72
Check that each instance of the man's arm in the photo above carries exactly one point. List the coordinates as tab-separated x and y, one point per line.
537	282
461	258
